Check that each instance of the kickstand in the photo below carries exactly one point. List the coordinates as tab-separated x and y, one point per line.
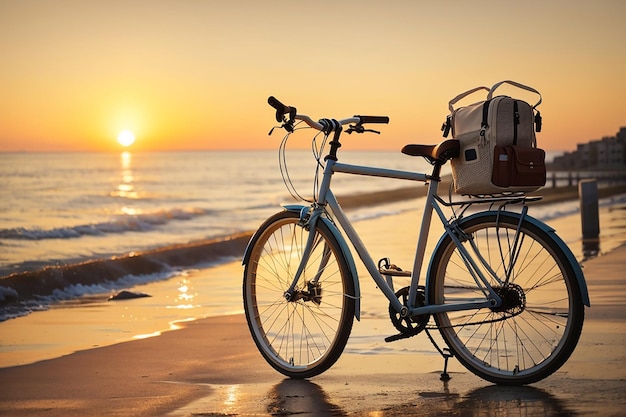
445	352
445	376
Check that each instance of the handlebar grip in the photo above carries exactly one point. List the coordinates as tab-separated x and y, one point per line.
274	102
374	119
281	109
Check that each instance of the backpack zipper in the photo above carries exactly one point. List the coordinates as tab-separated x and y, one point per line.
515	121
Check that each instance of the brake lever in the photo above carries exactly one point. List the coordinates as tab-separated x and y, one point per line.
287	125
355	128
360	129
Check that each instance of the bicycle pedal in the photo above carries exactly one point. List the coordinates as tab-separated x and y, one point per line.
385	267
398	336
394	271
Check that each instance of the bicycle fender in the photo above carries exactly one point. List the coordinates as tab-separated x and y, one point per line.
342	244
578	272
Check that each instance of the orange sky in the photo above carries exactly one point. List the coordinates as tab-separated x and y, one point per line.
196	74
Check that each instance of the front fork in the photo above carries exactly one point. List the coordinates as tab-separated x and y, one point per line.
308	220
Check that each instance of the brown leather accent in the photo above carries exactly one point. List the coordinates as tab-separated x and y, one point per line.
443	151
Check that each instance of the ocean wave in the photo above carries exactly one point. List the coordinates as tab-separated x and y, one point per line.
369	215
72	292
7	293
550	212
263	206
141	222
23	292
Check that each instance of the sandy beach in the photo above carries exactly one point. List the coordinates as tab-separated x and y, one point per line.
143	143
211	367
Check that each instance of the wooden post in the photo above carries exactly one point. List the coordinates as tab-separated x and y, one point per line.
589	215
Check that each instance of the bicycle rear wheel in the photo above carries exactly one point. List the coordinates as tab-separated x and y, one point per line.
304	336
538	325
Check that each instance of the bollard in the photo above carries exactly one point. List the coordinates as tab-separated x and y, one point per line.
589	215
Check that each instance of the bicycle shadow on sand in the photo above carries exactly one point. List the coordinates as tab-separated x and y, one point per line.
305	398
300	397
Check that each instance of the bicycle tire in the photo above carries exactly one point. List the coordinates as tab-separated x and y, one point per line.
538	326
303	337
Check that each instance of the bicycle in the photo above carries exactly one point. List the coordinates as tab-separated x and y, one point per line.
505	292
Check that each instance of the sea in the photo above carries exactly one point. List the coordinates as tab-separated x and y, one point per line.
77	228
67	209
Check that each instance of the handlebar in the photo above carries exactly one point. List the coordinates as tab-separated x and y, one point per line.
282	110
374	119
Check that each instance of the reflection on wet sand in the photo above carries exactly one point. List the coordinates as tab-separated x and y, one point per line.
491	401
301	397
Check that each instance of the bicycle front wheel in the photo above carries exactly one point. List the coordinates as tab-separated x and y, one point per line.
538	325
304	335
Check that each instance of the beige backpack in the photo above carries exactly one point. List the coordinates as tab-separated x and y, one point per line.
499	151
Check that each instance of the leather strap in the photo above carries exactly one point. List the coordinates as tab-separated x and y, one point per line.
518	85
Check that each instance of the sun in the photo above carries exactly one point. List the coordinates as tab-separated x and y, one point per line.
126	138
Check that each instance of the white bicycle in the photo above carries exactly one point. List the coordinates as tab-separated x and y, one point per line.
505	292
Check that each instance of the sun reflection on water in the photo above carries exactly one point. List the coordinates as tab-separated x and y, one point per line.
184	298
232	394
131	211
146	336
174	325
126	188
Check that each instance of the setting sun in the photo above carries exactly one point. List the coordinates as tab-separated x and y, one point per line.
126	138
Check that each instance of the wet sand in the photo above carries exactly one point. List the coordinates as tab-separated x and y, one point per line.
212	368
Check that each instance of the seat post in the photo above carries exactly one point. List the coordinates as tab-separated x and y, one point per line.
436	174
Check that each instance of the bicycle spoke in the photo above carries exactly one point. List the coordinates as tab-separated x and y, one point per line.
537	325
301	333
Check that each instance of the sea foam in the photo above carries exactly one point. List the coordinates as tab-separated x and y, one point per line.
118	224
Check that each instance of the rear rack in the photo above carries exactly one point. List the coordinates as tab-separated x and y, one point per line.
505	199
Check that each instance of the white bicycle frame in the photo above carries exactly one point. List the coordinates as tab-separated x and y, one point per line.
327	198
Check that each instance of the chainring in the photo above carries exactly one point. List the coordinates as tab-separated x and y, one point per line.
409	325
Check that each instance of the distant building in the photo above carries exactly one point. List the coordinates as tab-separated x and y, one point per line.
606	154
